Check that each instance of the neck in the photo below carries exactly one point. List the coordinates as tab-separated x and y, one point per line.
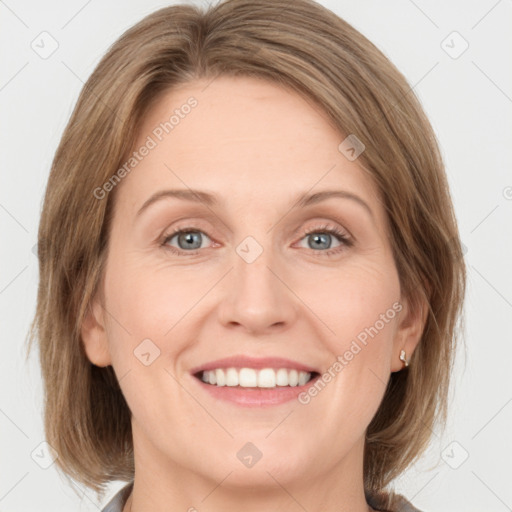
162	485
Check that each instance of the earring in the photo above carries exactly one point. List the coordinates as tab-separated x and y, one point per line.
402	358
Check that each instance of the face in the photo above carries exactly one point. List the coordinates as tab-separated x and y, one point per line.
248	277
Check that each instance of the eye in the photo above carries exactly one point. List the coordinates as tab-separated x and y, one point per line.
322	240
189	240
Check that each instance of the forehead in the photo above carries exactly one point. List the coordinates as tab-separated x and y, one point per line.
243	138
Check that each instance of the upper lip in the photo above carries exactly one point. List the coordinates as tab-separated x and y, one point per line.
242	361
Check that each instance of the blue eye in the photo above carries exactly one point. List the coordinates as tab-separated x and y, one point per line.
322	239
189	241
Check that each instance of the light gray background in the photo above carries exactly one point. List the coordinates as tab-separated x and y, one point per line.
468	100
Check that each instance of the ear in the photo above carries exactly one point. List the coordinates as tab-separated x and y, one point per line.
411	324
94	335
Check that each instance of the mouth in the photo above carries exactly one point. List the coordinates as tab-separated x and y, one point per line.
254	382
265	378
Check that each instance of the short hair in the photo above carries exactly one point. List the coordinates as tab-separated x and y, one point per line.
318	55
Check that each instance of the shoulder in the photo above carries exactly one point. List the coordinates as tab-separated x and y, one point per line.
383	502
117	503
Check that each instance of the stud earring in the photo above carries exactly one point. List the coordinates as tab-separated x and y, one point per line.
403	358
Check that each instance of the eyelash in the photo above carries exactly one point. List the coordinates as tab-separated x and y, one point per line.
324	229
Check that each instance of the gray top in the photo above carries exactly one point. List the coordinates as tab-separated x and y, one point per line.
399	503
117	503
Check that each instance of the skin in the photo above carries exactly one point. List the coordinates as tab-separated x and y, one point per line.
258	147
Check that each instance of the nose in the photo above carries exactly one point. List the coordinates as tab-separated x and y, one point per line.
256	297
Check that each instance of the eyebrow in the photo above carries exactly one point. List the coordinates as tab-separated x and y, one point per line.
302	201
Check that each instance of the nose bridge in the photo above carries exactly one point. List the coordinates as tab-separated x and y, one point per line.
252	268
256	297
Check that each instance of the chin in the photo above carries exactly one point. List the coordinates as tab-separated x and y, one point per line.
258	462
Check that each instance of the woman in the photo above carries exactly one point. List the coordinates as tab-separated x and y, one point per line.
298	353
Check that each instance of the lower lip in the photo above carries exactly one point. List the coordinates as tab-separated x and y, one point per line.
255	397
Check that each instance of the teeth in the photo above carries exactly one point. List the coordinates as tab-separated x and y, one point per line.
303	378
247	377
282	377
293	377
251	378
231	377
216	377
266	378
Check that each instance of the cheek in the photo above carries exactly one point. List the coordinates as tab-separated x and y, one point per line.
148	315
363	312
356	302
150	300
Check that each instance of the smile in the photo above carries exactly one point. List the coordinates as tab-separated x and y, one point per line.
253	378
254	381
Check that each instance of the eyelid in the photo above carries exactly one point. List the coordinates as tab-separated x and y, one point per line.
175	230
343	236
198	225
187	224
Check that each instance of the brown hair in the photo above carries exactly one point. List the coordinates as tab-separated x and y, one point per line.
315	53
